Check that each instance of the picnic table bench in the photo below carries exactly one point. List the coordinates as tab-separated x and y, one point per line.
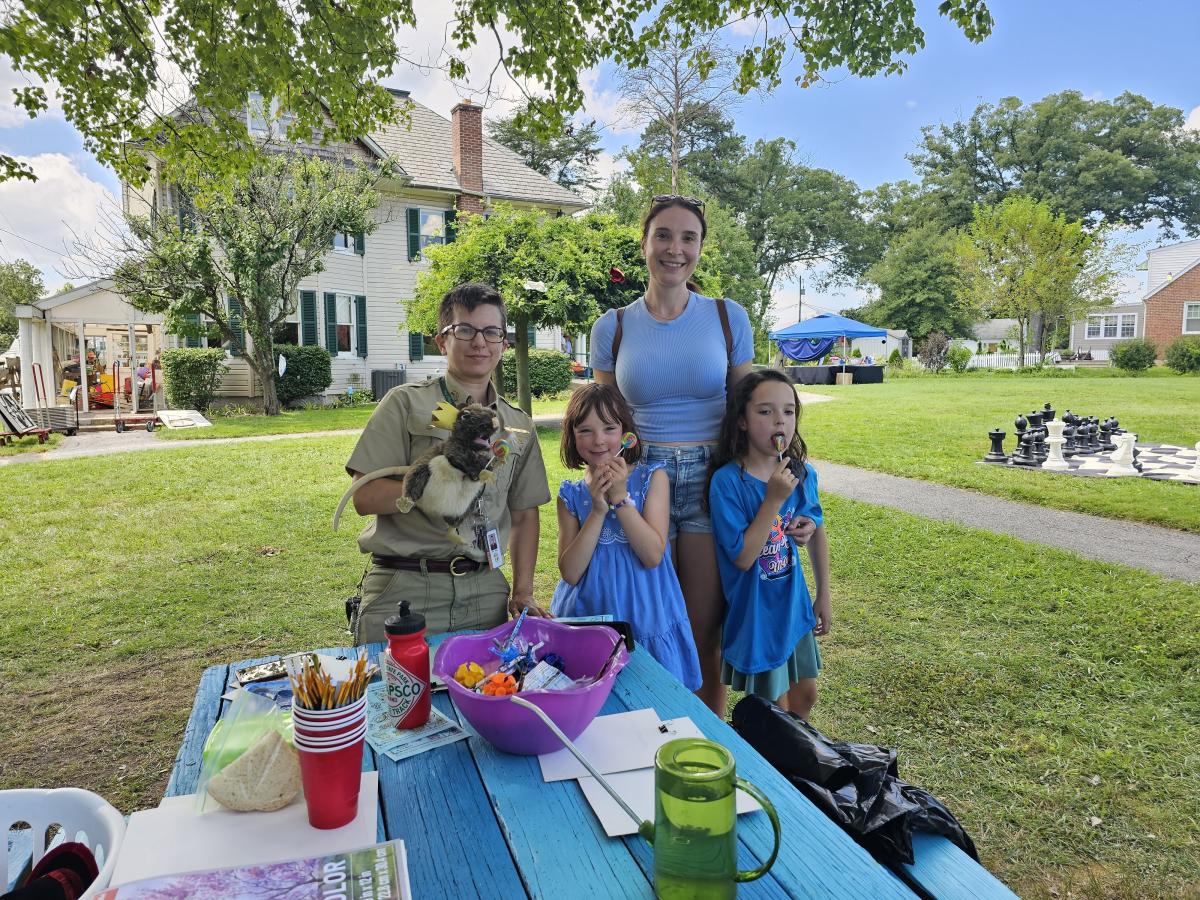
479	822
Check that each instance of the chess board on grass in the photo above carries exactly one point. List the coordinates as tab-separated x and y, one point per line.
1160	462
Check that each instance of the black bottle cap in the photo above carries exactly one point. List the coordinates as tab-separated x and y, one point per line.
404	622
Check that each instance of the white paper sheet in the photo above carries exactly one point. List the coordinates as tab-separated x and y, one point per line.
172	838
637	789
616	743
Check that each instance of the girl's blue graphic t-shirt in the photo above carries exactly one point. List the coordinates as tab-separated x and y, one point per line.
769	607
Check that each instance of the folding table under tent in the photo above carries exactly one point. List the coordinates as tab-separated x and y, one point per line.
811	338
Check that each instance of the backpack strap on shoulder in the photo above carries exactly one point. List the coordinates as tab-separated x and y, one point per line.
616	344
724	314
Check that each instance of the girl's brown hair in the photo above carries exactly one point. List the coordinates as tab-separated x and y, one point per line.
733	442
605	401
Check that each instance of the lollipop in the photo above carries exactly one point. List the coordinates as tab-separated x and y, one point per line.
628	439
780	445
501	447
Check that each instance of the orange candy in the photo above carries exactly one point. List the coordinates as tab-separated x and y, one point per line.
500	684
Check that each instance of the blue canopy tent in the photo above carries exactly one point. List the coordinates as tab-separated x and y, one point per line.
812	338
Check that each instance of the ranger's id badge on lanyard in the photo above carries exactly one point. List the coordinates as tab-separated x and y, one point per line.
487	537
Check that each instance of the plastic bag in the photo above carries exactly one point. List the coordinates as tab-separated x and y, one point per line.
250	716
855	785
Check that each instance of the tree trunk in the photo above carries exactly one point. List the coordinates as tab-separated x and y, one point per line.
263	365
524	396
674	154
1037	333
1021	323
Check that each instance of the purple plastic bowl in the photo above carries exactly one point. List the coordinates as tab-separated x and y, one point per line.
513	729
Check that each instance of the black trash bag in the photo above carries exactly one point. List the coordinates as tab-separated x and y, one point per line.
855	785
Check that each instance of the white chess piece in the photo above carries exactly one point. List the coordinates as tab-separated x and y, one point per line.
1122	458
1055	461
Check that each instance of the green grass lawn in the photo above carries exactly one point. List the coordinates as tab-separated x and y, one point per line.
30	445
1033	692
935	428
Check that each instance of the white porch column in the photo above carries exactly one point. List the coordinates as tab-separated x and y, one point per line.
83	369
25	334
133	391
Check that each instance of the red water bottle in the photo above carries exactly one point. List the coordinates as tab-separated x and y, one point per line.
406	668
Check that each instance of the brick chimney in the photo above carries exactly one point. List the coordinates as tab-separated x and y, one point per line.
466	138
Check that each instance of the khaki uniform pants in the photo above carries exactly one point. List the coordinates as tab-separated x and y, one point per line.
475	601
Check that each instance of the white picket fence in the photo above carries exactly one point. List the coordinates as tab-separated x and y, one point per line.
1002	360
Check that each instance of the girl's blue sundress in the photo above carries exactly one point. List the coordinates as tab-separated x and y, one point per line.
616	582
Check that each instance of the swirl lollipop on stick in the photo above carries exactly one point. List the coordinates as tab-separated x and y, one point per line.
628	439
780	443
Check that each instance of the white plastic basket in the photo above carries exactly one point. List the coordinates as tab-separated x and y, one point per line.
80	815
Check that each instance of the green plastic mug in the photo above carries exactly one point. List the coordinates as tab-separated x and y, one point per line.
695	821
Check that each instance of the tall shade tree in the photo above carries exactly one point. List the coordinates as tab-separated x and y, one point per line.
20	284
239	246
1114	162
707	144
566	156
1020	260
919	283
676	87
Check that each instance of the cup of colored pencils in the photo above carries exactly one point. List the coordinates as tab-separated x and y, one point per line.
329	721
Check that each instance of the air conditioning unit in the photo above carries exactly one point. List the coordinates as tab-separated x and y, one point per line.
383	380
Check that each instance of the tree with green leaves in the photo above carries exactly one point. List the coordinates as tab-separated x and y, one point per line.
237	250
919	285
20	285
708	146
1022	261
550	272
565	157
172	78
1120	162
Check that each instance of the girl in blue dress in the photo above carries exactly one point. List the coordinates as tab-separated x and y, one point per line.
613	553
764	504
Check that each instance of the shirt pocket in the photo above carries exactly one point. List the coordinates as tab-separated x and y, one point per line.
422	436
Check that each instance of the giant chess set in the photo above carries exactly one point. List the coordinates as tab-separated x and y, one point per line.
1089	446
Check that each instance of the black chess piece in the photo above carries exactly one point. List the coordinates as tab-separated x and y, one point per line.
1069	448
1041	450
1083	444
1137	464
1047	413
1094	434
1106	442
1116	426
997	454
1024	455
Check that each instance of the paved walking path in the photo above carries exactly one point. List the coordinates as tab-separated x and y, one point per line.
1163	551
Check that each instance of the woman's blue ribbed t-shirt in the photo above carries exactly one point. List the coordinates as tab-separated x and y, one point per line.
673	373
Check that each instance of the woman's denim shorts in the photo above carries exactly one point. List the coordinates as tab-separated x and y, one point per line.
687	471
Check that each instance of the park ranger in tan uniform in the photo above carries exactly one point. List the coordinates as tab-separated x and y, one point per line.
454	587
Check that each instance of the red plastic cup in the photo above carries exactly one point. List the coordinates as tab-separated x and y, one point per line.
344	726
316	741
327	716
331	777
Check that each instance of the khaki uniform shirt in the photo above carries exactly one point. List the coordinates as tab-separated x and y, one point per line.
400	430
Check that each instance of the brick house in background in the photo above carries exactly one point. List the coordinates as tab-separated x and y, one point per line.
1172	298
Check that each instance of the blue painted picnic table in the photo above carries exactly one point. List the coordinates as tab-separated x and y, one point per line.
481	823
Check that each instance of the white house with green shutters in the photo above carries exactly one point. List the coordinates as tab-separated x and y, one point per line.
355	307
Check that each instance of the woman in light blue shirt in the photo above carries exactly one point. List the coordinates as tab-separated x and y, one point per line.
674	354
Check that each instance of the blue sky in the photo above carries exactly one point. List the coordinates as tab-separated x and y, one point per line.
860	127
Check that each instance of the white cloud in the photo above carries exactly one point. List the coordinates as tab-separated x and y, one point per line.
46	215
1193	120
911	104
605	105
11	115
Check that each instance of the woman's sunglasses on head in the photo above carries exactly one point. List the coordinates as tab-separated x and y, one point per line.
678	198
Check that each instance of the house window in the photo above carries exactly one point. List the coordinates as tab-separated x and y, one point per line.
1191	318
287	333
266	122
345	323
343	241
1094	325
1128	326
1110	326
433	227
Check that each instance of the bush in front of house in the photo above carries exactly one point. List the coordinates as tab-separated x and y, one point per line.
309	372
192	376
959	358
895	360
933	351
549	372
1184	355
1134	355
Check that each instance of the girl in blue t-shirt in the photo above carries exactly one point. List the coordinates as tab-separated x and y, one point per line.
763	501
613	552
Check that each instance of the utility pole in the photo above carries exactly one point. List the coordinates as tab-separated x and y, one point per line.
800	309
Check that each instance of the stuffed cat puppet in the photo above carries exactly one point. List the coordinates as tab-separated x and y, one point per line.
447	479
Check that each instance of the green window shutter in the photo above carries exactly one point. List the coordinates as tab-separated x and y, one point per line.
308	318
360	243
414	234
331	324
360	313
236	326
416	346
532	335
190	340
451	225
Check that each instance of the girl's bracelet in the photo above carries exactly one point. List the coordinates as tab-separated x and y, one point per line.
613	507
